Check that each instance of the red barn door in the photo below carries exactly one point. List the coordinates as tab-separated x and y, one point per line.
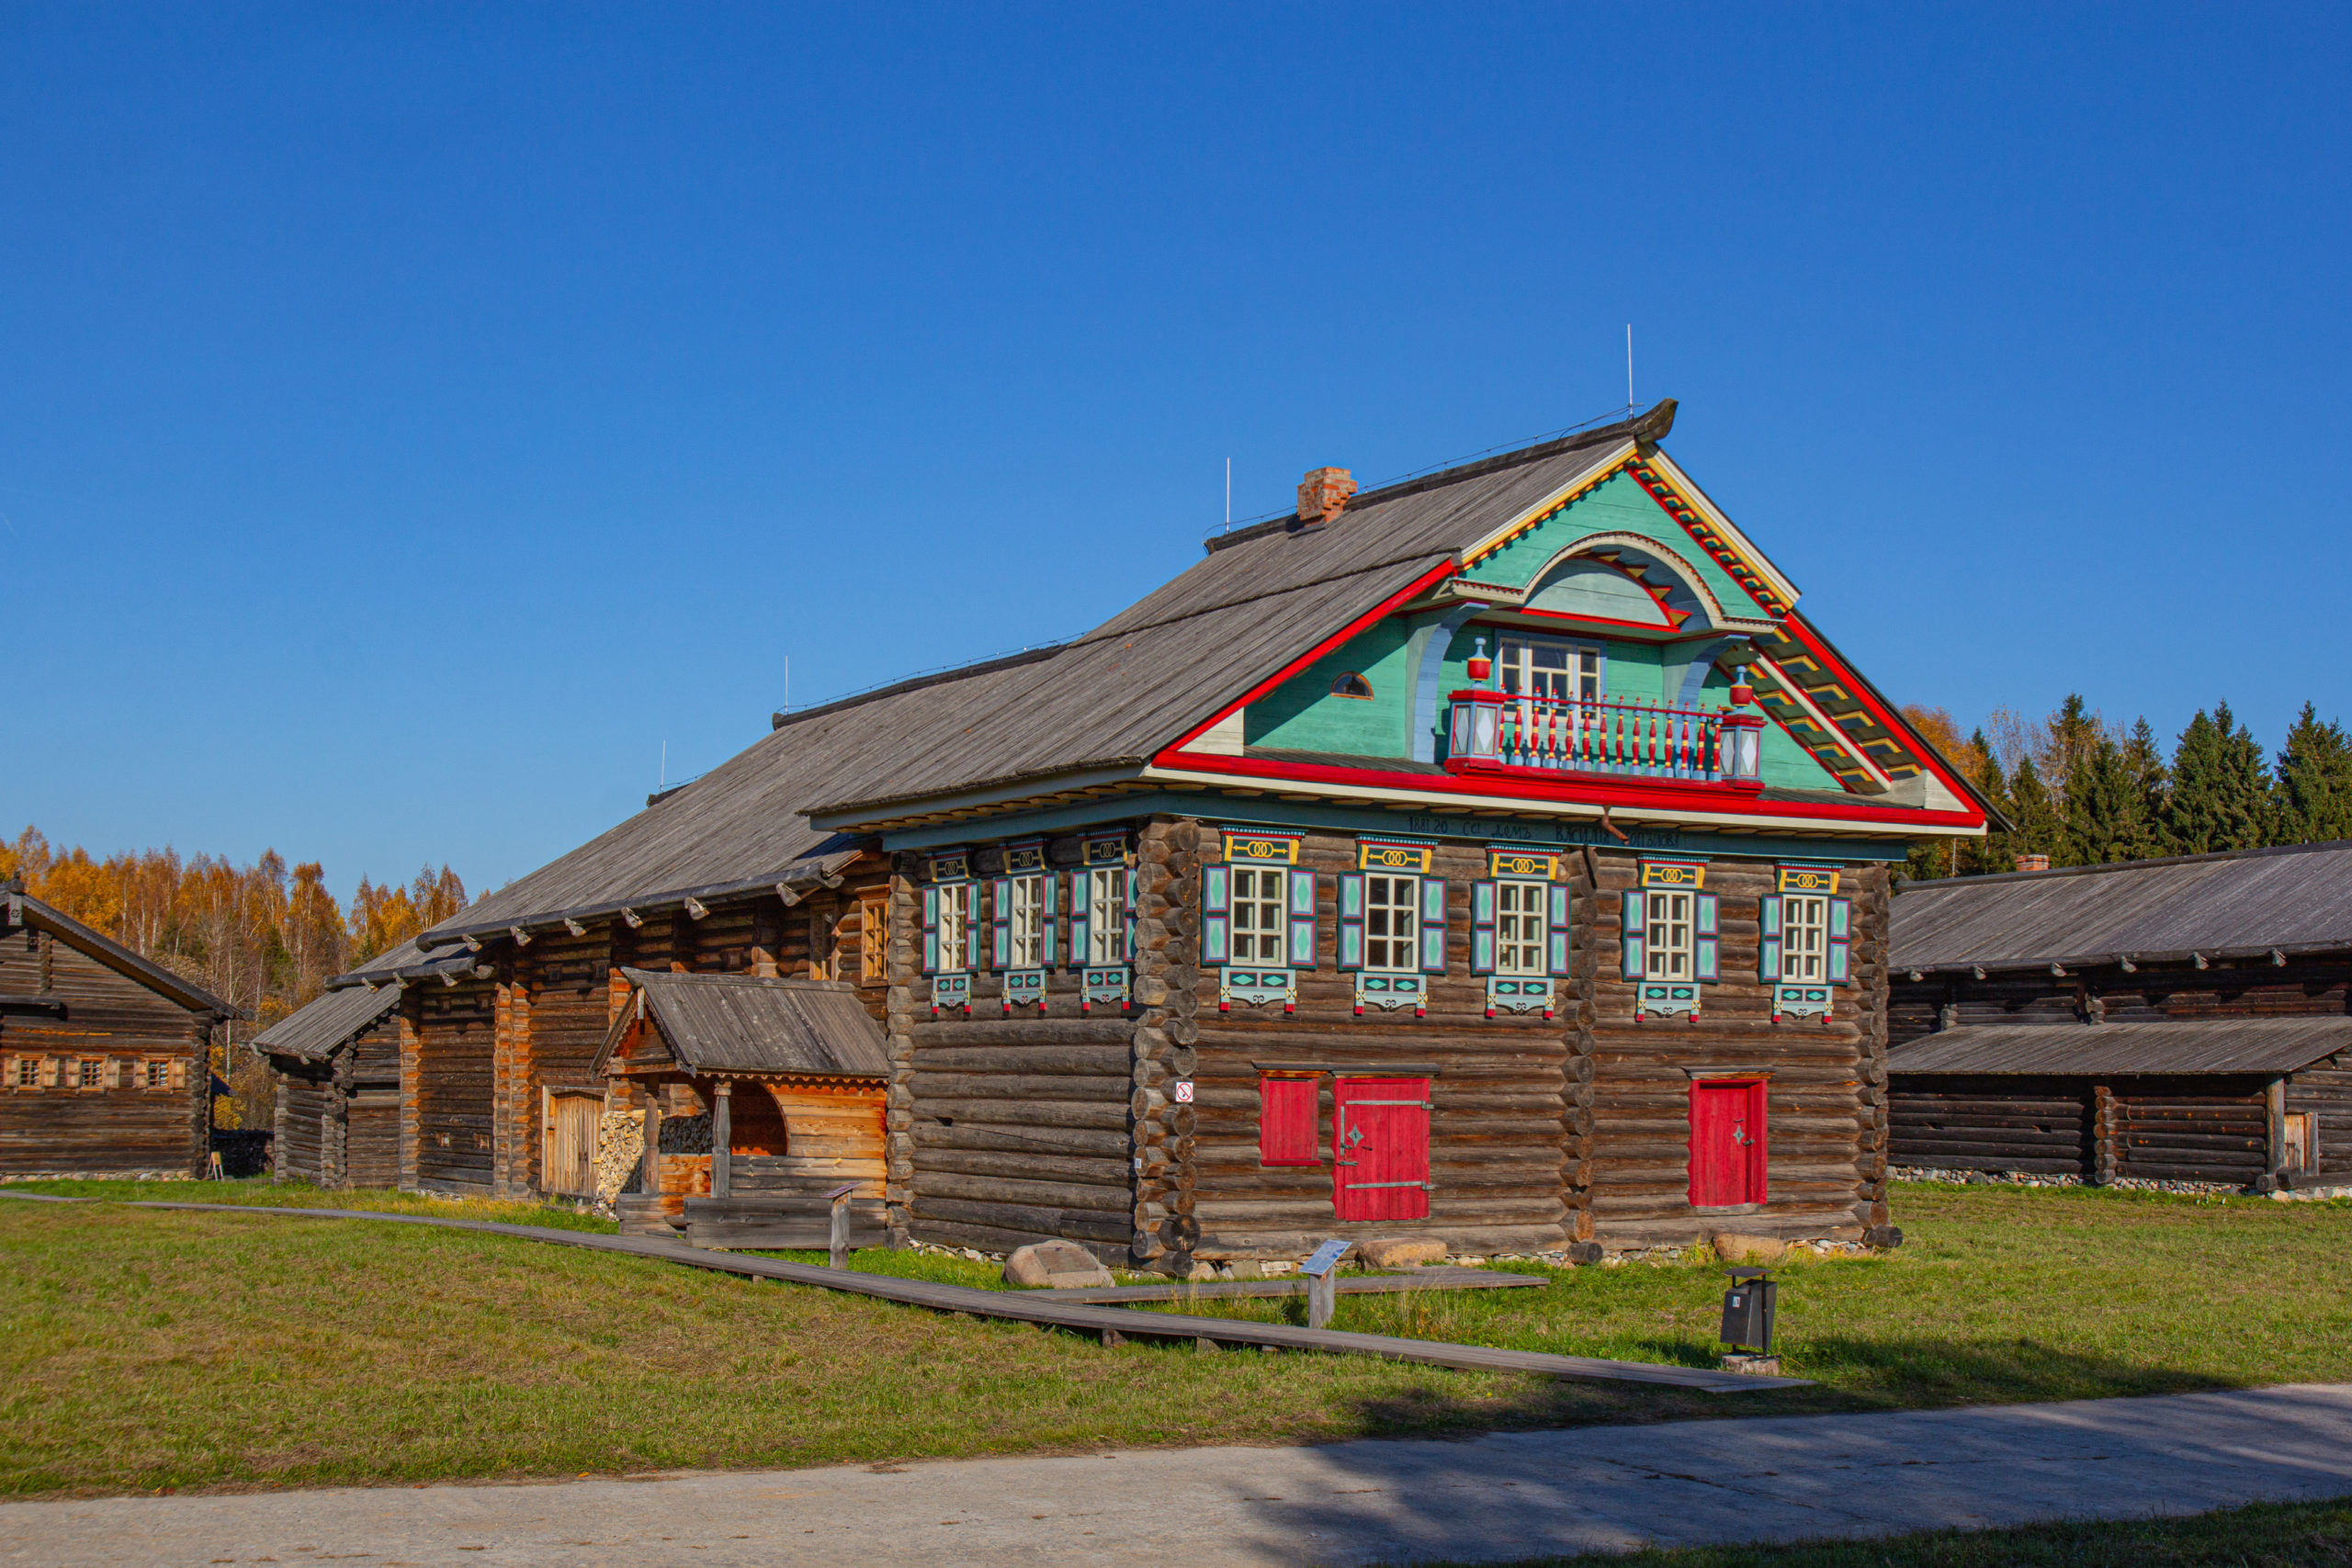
1380	1148
1727	1151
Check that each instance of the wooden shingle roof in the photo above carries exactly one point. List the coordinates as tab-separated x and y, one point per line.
2240	904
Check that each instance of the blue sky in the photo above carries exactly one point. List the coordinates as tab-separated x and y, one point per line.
413	417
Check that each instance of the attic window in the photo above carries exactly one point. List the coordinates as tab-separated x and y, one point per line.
1352	685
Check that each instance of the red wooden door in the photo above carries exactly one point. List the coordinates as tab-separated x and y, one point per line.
1727	1148
1380	1148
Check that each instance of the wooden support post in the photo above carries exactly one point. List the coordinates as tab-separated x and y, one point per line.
651	1158
839	1238
1322	1272
1321	1296
2274	1103
722	1138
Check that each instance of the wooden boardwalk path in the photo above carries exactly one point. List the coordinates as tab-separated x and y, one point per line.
1046	1308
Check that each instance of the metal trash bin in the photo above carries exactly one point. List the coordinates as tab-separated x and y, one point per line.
1747	1310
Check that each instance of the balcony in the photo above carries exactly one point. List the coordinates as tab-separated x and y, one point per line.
1490	733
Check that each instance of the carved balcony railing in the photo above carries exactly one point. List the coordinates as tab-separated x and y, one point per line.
1501	730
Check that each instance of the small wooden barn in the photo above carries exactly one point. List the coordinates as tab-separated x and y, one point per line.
337	1121
765	1085
105	1057
2176	1021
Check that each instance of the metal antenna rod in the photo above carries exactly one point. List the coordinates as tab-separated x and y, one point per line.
1228	492
1629	365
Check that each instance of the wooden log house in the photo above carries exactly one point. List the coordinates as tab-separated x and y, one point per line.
105	1057
1497	855
337	1119
2178	1021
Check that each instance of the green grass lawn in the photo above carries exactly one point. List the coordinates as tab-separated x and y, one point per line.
2268	1535
148	1349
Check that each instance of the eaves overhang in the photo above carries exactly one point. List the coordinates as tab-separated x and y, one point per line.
1641	801
870	816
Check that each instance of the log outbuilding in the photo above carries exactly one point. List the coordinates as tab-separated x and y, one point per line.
104	1056
2171	1021
1498	855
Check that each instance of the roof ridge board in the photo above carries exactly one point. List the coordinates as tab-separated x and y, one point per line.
2136	954
1651	425
2056	872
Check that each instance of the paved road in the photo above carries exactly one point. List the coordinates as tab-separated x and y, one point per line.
1498	1498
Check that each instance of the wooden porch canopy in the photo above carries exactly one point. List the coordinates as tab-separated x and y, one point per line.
726	1026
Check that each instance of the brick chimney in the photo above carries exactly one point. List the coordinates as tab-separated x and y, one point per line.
2033	862
1322	493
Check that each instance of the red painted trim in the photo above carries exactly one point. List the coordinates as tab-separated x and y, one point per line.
1674	633
1386	607
1687	532
1656	793
1796	627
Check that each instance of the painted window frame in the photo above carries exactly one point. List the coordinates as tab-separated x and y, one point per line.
1538	898
1580	652
1097	939
1268	887
949	909
1339	686
874	937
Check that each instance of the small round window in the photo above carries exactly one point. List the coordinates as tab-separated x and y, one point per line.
1352	686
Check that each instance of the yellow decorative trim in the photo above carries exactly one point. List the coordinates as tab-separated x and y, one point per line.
1262	846
1674	873
1374	856
1808	879
1520	862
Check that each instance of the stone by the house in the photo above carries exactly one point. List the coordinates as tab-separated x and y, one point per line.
1733	1246
1401	1251
1055	1265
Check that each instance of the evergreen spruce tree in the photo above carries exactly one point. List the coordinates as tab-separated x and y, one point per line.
2102	809
2039	831
2153	781
2313	800
2220	790
1995	851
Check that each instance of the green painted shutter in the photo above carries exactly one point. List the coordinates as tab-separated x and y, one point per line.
1127	943
1555	898
1050	888
1841	918
1081	916
1482	928
1302	919
1629	941
1432	925
1768	944
1001	922
1217	914
1351	920
1705	955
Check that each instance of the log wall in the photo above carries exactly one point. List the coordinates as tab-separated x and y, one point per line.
1826	1132
2034	1126
125	1127
2323	1090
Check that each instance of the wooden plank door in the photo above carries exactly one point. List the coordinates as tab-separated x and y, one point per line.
573	1120
1728	1142
1380	1148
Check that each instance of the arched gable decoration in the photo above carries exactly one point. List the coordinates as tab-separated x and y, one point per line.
1672	582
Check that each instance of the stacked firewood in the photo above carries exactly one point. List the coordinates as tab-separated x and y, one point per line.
620	1149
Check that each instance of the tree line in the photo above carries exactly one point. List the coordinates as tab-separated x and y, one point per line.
264	936
2087	792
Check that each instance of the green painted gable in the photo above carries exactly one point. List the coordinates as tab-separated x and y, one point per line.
1303	715
1617	505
